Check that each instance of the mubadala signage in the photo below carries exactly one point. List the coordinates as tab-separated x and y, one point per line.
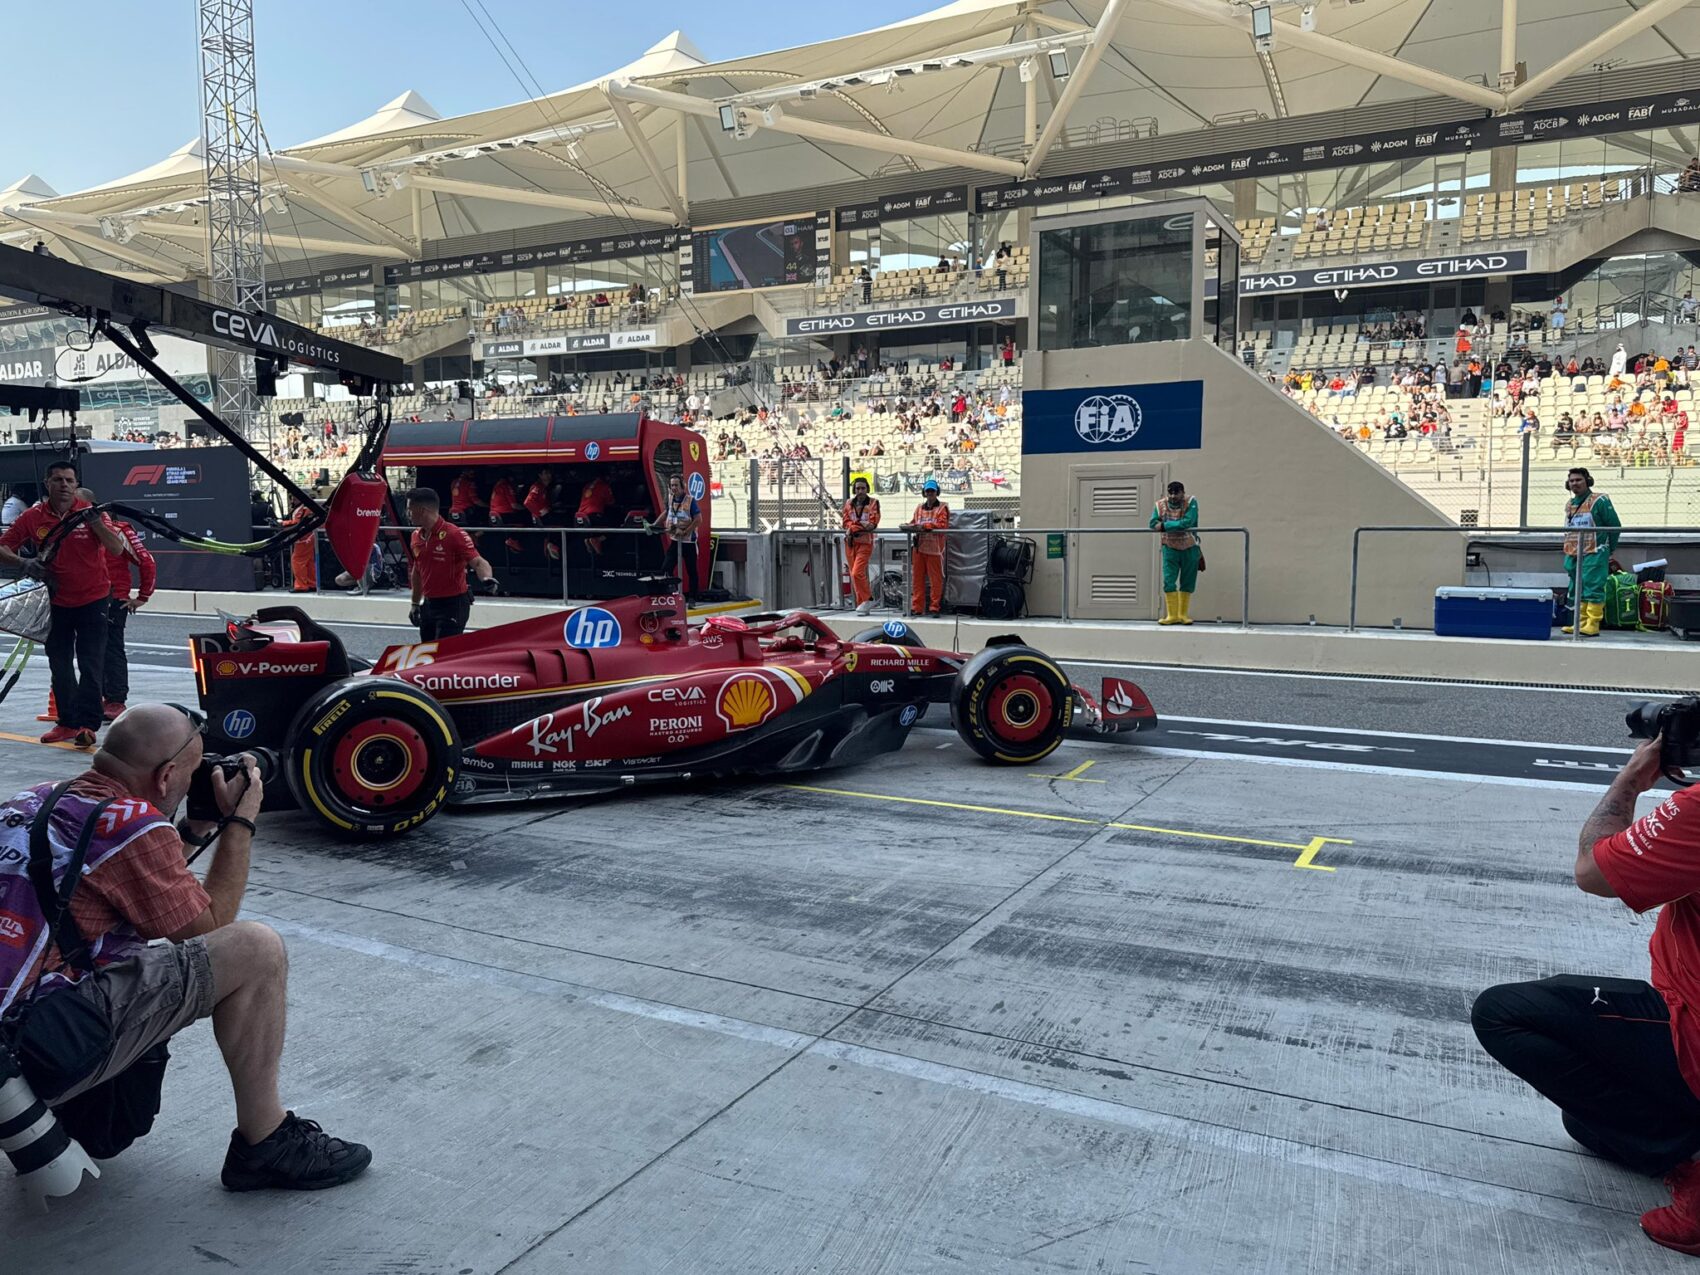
1380	274
919	316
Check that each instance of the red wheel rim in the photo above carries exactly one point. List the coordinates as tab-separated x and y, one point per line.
380	762
1019	708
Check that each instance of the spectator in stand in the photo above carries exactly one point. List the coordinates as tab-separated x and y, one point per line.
1688	183
1619	361
1688	309
115	682
1556	319
943	266
1000	262
1007	351
930	518
866	279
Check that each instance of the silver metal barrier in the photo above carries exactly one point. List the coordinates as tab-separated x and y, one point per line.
837	538
1542	534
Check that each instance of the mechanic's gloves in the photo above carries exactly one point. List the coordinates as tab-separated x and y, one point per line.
415	615
486	588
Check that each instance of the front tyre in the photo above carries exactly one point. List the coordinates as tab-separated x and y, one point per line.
372	757
1012	705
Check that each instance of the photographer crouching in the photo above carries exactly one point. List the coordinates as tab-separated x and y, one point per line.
90	1001
1621	1058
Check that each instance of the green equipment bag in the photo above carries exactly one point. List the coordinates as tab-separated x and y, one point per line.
1623	601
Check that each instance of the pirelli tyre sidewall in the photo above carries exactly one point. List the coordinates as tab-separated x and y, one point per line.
1012	705
372	757
904	635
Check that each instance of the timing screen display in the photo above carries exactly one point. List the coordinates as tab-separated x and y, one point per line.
758	256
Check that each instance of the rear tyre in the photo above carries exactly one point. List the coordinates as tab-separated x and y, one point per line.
1012	705
372	757
892	633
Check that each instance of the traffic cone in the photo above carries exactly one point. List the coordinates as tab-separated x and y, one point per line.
52	713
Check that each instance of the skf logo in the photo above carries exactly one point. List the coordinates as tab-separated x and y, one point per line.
140	475
744	702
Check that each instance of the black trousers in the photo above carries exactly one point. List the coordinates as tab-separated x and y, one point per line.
1600	1049
686	555
115	679
76	654
443	617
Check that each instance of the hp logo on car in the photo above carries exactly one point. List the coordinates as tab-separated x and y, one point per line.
908	715
895	628
697	487
239	723
1108	418
591	628
592	450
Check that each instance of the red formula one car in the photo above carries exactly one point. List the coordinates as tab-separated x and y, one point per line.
606	697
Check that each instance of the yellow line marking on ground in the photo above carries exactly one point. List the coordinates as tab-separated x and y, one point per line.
1074	775
1306	851
65	744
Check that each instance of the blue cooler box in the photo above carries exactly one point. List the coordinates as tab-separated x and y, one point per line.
1493	613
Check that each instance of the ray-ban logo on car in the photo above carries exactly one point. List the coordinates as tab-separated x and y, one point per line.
1108	418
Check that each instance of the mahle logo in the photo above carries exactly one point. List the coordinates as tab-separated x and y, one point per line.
1108	418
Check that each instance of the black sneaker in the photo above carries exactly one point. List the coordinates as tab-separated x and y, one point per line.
298	1156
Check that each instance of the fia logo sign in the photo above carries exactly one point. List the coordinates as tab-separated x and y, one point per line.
1108	418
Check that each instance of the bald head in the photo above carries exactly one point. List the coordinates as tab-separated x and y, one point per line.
84	493
153	750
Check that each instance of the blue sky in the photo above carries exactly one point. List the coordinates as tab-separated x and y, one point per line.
101	88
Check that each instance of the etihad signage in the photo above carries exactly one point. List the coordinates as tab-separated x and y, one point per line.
1654	111
1380	274
919	316
532	347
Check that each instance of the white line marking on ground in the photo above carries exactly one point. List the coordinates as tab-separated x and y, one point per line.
1346	677
1399	734
1179	1128
1361	768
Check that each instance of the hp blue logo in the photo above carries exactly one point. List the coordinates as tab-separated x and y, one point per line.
592	450
239	723
895	628
908	715
591	628
697	487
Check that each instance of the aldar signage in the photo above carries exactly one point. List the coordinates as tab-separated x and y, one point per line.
27	367
565	344
1658	111
1380	274
919	316
103	361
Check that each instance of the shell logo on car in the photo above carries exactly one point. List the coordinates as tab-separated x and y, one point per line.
745	701
227	668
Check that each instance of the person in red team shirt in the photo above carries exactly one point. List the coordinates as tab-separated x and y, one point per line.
115	677
467	507
440	553
75	571
540	504
506	511
1621	1058
595	503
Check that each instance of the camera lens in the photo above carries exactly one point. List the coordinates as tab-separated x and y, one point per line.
1643	720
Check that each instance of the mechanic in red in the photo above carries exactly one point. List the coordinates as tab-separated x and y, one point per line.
115	680
506	511
540	504
441	552
467	507
75	571
1621	1058
595	505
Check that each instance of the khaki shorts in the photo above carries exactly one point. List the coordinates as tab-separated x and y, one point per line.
147	999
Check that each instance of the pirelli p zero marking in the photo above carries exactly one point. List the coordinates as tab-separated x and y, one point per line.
1011	705
372	758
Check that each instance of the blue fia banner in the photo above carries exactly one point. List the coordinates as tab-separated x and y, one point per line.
1164	417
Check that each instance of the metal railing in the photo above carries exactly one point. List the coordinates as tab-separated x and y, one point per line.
838	567
1544	534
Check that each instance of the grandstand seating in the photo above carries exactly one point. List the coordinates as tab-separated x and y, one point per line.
894	287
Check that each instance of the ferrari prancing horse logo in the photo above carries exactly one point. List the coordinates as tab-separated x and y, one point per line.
696	451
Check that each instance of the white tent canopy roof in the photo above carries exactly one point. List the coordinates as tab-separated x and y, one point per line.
1173	66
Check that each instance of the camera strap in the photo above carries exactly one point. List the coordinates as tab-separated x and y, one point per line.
55	902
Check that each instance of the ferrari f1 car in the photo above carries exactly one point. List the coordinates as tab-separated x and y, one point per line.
608	697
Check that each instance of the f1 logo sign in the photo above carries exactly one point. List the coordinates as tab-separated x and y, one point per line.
140	475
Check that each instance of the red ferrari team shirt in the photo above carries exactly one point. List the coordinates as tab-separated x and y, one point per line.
1653	862
537	501
441	558
502	500
79	563
596	499
463	494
